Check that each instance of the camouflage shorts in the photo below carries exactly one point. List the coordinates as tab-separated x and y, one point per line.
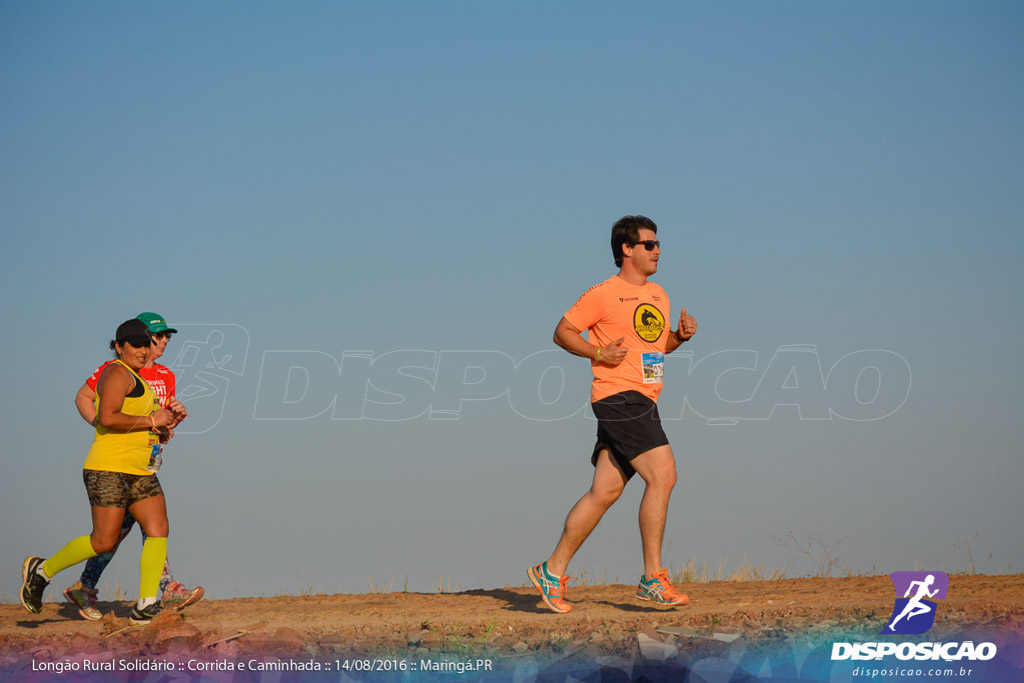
119	490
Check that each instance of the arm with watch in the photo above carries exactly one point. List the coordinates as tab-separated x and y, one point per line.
687	328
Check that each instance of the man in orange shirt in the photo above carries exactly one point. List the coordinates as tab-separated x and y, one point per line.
625	317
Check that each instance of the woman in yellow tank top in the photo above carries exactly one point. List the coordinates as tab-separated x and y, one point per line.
117	475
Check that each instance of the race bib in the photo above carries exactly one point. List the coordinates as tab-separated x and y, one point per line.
156	453
654	368
156	458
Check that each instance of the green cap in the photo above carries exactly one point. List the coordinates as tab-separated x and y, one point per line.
155	323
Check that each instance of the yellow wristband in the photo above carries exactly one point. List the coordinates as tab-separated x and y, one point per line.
152	422
598	354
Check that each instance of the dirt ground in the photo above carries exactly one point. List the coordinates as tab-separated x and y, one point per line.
502	622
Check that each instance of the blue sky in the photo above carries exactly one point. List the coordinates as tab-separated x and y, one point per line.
422	181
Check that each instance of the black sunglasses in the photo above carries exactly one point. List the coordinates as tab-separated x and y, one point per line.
161	335
649	245
137	342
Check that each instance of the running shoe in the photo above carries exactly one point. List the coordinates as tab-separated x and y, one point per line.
179	597
139	617
660	590
551	587
32	584
84	599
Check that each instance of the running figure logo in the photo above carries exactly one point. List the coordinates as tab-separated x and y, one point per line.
209	358
914	613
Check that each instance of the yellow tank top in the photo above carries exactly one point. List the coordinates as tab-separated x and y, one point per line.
114	451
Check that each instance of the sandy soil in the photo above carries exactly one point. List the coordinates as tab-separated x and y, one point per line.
502	622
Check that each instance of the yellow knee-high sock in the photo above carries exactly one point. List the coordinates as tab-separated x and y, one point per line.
154	554
75	551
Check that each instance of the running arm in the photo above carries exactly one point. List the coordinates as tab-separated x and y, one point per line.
571	339
85	402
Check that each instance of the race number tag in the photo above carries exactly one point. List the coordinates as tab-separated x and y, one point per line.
156	458
654	368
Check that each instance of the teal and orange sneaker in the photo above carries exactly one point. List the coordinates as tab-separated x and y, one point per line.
551	587
660	590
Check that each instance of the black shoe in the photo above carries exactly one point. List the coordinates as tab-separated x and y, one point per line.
144	616
32	584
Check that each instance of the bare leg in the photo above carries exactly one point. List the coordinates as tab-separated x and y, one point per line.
609	480
106	528
106	522
95	566
658	469
151	514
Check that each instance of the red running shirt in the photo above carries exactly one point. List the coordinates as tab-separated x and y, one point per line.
159	377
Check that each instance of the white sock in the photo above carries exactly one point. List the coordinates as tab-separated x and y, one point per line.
146	602
39	570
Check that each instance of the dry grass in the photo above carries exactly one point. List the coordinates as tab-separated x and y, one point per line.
691	572
120	595
586	578
379	587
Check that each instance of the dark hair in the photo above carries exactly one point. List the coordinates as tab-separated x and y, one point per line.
626	232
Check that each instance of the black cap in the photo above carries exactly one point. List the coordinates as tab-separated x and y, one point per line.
134	332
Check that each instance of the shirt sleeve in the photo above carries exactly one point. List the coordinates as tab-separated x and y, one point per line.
171	386
95	377
587	310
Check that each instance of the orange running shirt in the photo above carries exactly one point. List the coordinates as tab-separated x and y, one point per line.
613	309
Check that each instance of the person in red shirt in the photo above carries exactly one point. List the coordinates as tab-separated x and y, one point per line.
82	594
626	320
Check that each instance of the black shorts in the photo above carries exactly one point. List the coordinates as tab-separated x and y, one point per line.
628	424
119	490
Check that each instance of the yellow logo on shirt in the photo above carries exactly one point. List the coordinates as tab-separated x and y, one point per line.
648	322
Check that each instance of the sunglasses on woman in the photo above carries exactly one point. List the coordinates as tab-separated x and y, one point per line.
137	342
